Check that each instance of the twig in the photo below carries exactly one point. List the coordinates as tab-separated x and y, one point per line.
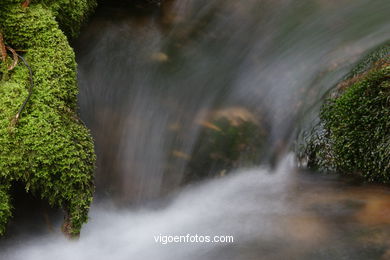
15	58
15	120
3	50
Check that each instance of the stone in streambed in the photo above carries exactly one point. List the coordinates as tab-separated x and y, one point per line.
229	138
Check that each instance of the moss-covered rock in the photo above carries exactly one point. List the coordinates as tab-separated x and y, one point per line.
354	135
49	149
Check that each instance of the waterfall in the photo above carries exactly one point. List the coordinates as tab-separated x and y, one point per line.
151	86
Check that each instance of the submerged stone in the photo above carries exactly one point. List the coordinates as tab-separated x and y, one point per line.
229	138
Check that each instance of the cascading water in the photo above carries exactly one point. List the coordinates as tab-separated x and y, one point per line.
149	86
146	82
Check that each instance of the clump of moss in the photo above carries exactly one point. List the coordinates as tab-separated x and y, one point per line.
49	150
354	135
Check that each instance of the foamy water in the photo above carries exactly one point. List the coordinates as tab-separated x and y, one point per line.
242	205
280	214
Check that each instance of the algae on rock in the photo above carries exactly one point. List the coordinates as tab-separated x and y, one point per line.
49	150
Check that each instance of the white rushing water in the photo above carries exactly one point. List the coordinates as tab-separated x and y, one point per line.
243	205
271	214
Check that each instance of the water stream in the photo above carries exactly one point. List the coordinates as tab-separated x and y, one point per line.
152	82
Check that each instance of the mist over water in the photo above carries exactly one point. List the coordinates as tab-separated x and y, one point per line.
149	84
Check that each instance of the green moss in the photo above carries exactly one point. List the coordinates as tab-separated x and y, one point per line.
70	14
359	126
49	150
354	137
5	206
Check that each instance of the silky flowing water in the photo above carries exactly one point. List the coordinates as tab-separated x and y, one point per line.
149	83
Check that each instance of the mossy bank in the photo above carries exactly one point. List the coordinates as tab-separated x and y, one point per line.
49	149
354	134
